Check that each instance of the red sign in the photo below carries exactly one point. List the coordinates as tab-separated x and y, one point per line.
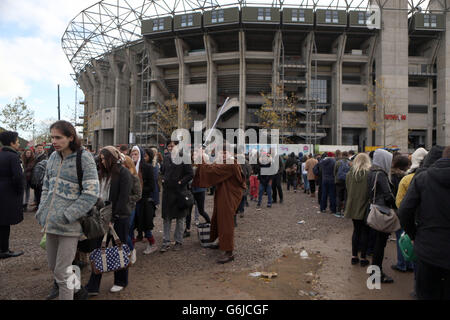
395	117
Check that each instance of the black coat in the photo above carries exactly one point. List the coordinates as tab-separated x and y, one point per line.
11	187
148	180
119	193
171	174
429	192
384	194
145	208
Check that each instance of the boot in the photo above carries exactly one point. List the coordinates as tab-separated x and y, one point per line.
54	293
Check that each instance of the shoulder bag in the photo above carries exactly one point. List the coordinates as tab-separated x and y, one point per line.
96	223
380	218
104	260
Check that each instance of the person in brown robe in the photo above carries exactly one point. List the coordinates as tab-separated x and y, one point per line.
230	185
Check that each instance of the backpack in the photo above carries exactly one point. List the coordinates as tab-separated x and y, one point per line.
38	174
343	170
316	170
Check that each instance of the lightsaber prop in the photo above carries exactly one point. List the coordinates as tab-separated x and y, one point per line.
215	123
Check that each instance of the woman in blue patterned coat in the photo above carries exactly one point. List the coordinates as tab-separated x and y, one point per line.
62	204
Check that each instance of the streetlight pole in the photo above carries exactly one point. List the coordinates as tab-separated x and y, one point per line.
59	105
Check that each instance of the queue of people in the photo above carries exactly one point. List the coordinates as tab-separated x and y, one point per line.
134	182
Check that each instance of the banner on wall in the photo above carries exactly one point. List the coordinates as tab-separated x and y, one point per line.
281	149
332	148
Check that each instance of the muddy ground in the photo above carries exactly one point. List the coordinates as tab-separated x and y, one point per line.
267	240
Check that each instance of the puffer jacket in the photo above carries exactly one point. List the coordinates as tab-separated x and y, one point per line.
61	184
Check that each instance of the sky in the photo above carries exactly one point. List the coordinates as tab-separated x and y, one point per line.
32	62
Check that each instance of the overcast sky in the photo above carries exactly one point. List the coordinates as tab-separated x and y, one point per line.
32	62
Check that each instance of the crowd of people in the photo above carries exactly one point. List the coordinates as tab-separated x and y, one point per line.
137	182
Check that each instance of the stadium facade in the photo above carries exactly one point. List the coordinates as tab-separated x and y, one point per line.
331	57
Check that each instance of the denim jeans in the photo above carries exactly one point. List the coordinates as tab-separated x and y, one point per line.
241	208
306	182
328	191
268	189
179	229
26	198
401	262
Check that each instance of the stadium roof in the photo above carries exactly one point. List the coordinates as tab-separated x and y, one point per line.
111	24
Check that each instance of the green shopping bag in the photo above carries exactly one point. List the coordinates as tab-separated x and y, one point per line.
407	248
43	241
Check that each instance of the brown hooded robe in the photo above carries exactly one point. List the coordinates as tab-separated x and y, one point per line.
230	186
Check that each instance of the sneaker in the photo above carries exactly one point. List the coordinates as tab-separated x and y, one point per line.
269	206
164	247
150	249
355	261
186	234
258	207
115	289
177	246
92	294
133	256
337	215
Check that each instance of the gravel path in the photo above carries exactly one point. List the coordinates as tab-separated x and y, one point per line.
260	238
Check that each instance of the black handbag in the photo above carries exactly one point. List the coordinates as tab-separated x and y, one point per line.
185	199
96	223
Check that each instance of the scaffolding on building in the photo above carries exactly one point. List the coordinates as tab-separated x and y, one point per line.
307	102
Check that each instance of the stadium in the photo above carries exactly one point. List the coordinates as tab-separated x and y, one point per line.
365	73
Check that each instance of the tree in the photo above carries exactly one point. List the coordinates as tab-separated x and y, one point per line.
278	112
42	133
166	117
17	116
378	106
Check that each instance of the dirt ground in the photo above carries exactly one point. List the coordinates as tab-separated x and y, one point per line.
268	240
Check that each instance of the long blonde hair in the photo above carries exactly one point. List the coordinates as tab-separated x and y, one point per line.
361	163
129	164
155	157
